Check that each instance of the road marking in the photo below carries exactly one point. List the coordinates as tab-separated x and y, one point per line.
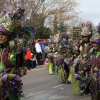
58	86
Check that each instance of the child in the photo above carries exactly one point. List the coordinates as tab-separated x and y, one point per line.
33	61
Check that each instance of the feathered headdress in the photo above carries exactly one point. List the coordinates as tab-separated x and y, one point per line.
96	39
86	29
11	19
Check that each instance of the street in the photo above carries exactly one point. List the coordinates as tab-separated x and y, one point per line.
39	85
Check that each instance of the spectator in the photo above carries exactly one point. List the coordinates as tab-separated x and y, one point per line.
43	44
33	61
33	50
28	57
32	46
47	49
38	51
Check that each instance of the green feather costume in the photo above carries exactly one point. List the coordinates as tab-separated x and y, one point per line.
11	50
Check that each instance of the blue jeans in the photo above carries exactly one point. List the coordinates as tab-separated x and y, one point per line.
32	65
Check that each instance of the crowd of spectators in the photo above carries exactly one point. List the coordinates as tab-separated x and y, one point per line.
35	53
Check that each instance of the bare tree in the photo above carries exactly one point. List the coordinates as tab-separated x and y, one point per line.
46	12
62	12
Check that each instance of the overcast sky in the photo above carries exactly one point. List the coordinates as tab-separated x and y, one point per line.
90	10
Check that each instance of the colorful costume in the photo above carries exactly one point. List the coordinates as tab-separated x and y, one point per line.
84	59
12	65
66	51
95	68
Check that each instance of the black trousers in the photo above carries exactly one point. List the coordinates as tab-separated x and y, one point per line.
39	58
66	68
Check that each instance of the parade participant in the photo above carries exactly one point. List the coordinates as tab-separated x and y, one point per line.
86	35
84	48
67	68
55	63
61	70
94	75
11	52
50	65
95	68
67	51
63	39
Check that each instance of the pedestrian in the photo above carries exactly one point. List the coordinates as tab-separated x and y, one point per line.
43	44
38	52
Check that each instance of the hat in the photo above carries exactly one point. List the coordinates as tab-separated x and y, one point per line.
85	32
11	19
86	29
11	23
96	39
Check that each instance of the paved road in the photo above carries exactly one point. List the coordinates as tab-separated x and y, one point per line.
39	85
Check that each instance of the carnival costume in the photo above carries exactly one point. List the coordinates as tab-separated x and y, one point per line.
50	64
95	69
84	59
65	51
12	65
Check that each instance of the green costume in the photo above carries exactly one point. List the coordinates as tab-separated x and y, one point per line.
84	57
12	34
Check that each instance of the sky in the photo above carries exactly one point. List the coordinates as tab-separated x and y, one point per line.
90	10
